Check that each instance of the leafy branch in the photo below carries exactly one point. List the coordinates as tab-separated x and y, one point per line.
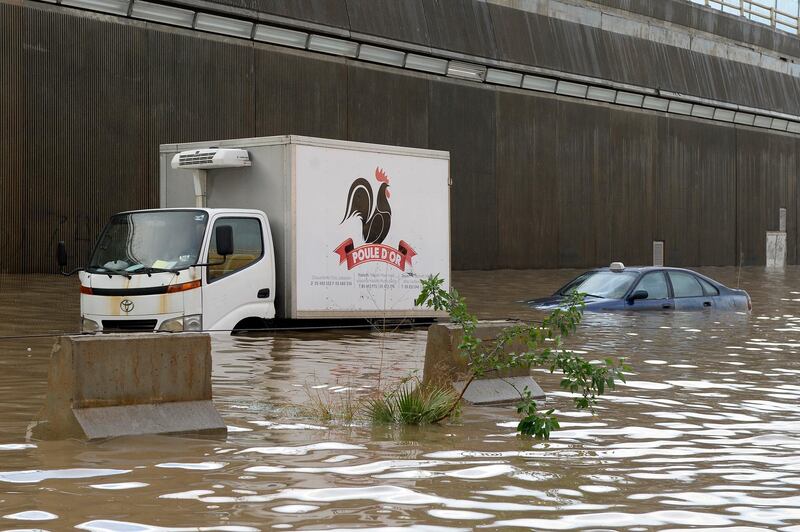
527	345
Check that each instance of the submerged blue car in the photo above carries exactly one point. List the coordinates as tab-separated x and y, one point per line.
647	288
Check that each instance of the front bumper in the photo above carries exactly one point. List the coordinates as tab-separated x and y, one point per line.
142	323
140	312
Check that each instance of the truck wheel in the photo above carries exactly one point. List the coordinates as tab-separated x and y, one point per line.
251	324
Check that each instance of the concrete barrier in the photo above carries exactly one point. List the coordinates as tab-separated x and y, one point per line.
125	384
444	364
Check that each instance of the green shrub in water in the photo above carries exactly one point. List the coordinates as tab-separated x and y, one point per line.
542	349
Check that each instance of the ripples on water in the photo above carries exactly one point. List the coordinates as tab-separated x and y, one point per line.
705	435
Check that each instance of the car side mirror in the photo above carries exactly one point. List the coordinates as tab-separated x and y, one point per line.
61	254
638	294
224	237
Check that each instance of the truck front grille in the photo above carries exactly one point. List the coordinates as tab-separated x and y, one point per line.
129	325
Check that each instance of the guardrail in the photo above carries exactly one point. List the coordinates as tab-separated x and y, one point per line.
757	12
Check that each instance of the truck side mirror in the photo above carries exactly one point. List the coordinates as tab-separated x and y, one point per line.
224	237
61	255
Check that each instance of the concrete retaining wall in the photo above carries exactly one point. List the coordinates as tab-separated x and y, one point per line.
539	181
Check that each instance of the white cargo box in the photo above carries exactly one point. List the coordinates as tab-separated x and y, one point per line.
327	264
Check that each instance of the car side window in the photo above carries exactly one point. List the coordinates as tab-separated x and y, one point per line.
685	285
708	288
656	285
248	247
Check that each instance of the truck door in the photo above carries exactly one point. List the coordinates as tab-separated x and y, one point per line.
238	287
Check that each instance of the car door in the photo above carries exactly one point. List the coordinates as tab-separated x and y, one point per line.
234	286
712	293
688	292
658	297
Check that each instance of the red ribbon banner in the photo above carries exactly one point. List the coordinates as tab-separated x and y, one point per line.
397	257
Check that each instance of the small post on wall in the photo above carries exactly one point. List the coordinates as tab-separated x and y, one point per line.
658	252
776	243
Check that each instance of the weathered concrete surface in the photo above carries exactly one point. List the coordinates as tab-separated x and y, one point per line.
658	253
125	384
158	418
776	249
498	391
444	364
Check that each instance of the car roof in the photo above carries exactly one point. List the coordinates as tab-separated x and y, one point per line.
645	269
642	269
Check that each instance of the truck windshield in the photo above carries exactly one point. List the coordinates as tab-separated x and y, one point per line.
140	242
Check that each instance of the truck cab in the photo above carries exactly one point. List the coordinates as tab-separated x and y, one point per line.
162	270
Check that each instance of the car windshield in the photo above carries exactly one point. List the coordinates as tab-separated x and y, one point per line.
140	242
606	284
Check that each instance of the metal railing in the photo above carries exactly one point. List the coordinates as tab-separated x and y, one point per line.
759	12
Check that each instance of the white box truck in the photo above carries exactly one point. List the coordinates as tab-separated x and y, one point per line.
273	227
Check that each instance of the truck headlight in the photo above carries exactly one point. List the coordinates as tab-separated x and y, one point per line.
89	326
192	322
172	325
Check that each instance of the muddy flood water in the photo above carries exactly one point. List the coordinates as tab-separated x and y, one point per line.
705	435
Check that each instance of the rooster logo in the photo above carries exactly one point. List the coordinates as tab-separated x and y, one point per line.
376	219
375	224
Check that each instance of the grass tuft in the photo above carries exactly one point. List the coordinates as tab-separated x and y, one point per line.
327	406
412	405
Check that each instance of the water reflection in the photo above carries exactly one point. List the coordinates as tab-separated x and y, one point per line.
705	433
